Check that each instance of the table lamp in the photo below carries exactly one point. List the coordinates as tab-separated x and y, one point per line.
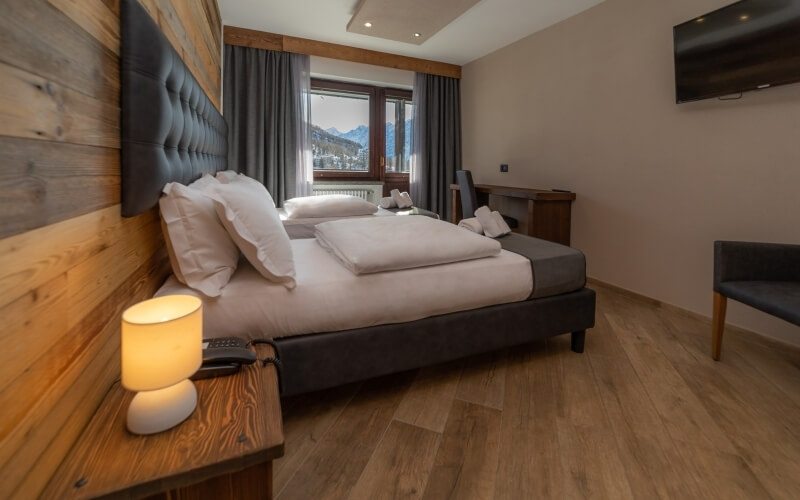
161	348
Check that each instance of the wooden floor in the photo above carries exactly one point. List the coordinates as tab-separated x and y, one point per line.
643	413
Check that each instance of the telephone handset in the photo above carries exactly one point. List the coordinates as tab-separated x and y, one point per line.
224	356
227	350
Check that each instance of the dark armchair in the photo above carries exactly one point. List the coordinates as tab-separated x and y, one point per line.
765	276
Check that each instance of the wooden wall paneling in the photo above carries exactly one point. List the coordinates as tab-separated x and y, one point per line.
200	17
86	287
37	38
271	41
36	108
95	18
58	421
113	6
196	57
33	258
43	183
70	263
214	18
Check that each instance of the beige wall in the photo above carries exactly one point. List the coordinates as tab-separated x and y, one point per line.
589	105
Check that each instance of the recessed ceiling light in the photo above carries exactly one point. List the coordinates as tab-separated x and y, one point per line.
417	35
700	19
744	17
368	24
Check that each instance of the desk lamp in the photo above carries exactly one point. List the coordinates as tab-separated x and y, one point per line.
161	348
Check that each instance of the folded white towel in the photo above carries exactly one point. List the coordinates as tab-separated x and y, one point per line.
492	222
403	200
472	224
387	202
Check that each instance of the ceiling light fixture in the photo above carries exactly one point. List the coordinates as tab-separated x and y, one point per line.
700	19
417	35
368	24
744	17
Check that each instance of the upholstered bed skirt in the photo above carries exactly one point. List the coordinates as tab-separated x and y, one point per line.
318	361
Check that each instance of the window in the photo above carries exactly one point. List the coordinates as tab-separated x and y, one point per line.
360	131
399	119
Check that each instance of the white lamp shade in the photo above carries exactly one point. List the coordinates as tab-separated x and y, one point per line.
162	342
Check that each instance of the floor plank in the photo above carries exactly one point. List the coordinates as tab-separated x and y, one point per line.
400	466
306	421
427	402
653	465
340	457
483	380
589	454
529	463
466	464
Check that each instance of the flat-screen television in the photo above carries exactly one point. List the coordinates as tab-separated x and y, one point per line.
748	45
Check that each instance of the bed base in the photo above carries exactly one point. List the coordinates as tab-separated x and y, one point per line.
319	361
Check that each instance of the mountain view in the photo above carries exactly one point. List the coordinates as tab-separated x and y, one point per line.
337	150
333	152
361	136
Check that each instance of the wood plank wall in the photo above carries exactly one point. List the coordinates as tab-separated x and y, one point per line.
69	264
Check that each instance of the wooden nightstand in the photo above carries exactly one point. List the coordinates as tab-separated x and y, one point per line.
224	450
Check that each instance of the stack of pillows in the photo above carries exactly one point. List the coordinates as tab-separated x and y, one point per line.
207	223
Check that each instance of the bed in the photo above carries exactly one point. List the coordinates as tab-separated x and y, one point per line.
171	132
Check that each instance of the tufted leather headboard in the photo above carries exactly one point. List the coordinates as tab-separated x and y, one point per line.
171	132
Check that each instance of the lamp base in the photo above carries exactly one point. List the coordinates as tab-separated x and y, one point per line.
156	411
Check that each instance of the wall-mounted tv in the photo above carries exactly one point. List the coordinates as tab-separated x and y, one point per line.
748	45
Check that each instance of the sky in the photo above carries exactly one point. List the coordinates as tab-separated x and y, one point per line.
344	113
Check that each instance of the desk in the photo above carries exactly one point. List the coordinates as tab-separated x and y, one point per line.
223	450
549	212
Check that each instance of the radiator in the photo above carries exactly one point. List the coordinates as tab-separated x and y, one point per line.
370	192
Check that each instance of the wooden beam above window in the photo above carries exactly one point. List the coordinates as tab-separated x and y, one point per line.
271	41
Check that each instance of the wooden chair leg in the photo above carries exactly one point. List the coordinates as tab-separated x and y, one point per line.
718	324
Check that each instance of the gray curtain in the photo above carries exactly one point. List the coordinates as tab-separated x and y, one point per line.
259	103
436	144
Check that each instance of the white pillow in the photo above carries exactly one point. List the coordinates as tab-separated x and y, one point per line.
227	175
249	215
328	205
202	255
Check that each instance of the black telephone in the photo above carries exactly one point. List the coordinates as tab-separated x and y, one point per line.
224	356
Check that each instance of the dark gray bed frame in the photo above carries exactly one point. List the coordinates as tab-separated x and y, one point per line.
172	133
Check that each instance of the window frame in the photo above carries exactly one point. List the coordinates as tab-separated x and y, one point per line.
396	94
377	122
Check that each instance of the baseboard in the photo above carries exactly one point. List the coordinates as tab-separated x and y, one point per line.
759	337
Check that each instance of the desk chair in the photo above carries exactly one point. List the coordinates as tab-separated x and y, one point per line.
765	276
469	199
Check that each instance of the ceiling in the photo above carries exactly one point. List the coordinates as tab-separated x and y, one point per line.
409	21
484	28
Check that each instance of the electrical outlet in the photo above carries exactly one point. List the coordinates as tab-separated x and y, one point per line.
504	167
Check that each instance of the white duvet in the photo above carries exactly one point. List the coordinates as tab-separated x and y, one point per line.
330	298
391	243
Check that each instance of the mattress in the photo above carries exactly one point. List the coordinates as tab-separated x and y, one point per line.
329	298
304	228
